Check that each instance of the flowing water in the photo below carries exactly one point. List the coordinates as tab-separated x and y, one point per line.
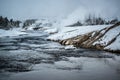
32	57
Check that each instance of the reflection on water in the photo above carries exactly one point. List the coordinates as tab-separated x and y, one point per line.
73	69
29	57
114	63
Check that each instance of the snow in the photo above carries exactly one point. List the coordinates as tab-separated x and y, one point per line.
69	32
69	47
43	24
115	45
52	30
93	34
108	36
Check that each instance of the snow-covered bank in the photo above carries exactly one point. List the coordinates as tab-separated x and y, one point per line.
102	37
69	32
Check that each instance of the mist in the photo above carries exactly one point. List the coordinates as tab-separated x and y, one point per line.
24	9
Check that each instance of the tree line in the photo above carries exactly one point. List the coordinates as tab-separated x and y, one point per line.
5	23
93	20
29	22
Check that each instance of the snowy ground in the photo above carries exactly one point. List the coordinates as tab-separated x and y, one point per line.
69	32
110	35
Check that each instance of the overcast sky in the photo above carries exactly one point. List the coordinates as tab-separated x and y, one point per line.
22	9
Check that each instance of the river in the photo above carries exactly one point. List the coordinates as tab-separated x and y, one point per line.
32	57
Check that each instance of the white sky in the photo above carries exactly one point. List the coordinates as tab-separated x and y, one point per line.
22	9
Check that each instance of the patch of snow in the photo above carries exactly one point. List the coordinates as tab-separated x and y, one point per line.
115	45
69	47
52	30
93	34
108	36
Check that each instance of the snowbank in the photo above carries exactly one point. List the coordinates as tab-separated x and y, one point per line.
69	32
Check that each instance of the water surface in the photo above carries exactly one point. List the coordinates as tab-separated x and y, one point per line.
32	57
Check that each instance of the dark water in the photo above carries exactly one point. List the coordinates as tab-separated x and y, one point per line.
32	57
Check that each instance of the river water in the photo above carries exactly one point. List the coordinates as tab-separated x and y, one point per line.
32	57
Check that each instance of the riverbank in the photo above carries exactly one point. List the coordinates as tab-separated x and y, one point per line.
28	55
100	37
